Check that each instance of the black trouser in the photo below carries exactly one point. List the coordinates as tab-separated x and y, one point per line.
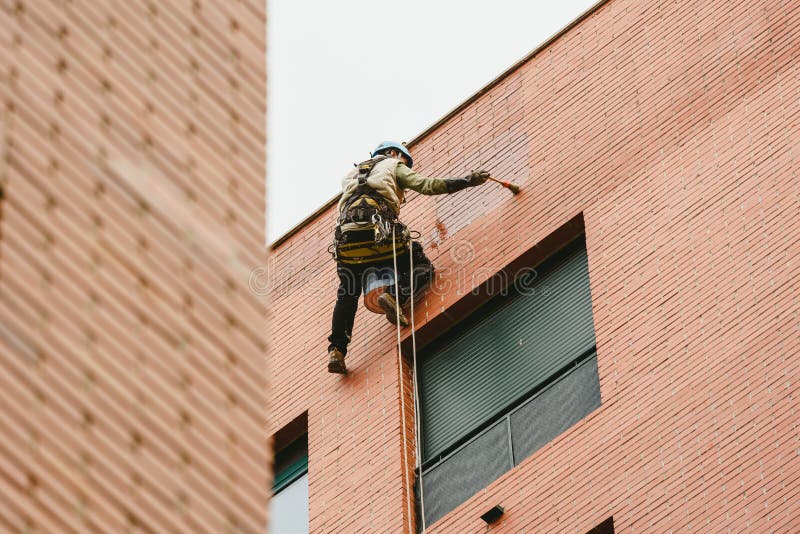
351	284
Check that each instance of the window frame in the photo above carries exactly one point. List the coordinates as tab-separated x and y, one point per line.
290	452
492	296
443	326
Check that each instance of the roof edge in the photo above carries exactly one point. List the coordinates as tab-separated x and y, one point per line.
456	110
299	226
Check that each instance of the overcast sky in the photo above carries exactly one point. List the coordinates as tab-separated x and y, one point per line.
344	76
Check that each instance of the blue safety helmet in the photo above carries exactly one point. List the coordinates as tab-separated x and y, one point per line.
387	145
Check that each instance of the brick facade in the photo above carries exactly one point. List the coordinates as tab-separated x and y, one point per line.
132	384
672	127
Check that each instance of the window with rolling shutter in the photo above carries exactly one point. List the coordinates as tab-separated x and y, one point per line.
512	376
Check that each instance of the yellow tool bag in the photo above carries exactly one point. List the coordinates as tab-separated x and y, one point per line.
359	246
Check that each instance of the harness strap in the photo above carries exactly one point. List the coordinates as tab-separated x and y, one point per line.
362	253
364	195
360	243
366	210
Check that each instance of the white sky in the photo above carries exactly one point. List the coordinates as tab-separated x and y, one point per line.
344	76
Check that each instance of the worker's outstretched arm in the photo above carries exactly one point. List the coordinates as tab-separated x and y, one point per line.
471	180
408	179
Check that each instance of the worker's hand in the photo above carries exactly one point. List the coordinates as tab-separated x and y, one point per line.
478	178
471	180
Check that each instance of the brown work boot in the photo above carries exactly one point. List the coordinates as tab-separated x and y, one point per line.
336	362
389	305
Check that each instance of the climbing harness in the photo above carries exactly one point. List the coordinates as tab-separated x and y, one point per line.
364	200
367	227
381	241
417	416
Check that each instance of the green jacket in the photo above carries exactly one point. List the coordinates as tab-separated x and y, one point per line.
390	177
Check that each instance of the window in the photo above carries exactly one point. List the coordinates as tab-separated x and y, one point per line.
288	508
512	376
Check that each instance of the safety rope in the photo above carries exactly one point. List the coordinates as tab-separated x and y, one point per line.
417	414
417	418
409	490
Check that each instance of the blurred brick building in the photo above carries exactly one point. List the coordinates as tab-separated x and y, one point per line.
132	382
652	382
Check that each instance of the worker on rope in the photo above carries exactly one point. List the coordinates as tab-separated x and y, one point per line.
368	219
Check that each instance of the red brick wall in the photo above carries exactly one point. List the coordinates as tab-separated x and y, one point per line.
673	128
132	386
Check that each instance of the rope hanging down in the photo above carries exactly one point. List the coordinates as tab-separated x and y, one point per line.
417	414
417	420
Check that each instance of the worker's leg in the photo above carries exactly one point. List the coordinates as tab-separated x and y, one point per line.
344	312
403	277
423	268
423	272
385	271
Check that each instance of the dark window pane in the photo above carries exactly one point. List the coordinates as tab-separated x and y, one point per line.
555	409
290	463
466	471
